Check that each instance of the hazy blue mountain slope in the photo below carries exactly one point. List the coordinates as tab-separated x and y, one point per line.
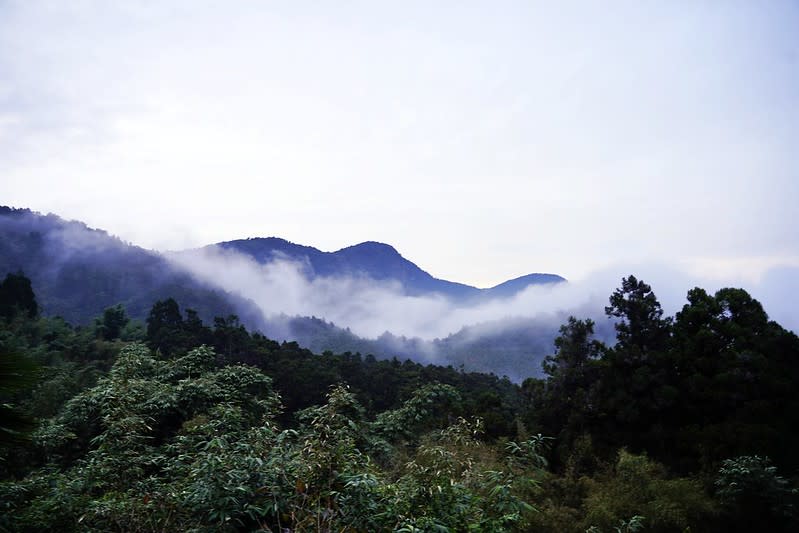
514	286
513	347
380	262
77	271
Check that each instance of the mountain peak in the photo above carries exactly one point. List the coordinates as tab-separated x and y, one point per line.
379	261
371	247
266	240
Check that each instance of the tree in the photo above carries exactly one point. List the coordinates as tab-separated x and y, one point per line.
736	374
196	332
640	327
230	336
112	323
566	402
17	372
633	387
575	350
16	296
755	497
165	327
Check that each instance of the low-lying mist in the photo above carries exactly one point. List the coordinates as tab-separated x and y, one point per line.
366	306
77	272
370	308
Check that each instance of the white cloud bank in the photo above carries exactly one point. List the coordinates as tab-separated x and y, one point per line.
484	137
369	308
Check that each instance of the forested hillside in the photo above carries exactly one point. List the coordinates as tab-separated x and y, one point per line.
684	423
514	347
79	271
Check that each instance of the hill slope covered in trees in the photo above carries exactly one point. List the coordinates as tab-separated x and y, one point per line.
78	272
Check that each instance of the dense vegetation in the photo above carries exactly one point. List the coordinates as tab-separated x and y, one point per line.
685	422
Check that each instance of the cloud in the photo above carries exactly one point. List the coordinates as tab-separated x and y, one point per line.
482	139
778	291
370	308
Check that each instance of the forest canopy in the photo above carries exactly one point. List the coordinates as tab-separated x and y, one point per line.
685	422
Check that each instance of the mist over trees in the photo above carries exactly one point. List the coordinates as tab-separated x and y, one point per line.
80	272
684	422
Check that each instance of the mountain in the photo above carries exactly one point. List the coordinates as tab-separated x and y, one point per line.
77	272
514	347
511	287
380	262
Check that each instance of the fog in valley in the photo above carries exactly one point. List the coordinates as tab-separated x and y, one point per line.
370	308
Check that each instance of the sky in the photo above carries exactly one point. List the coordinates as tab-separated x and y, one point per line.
483	140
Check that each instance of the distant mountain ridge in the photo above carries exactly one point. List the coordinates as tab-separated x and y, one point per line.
77	272
380	262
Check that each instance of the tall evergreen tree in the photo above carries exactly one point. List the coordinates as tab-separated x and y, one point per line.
566	402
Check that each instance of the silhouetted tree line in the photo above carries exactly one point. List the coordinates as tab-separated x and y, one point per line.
716	381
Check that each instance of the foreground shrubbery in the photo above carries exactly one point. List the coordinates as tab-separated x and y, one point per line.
181	444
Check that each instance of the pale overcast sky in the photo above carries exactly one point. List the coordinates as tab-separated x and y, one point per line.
484	140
